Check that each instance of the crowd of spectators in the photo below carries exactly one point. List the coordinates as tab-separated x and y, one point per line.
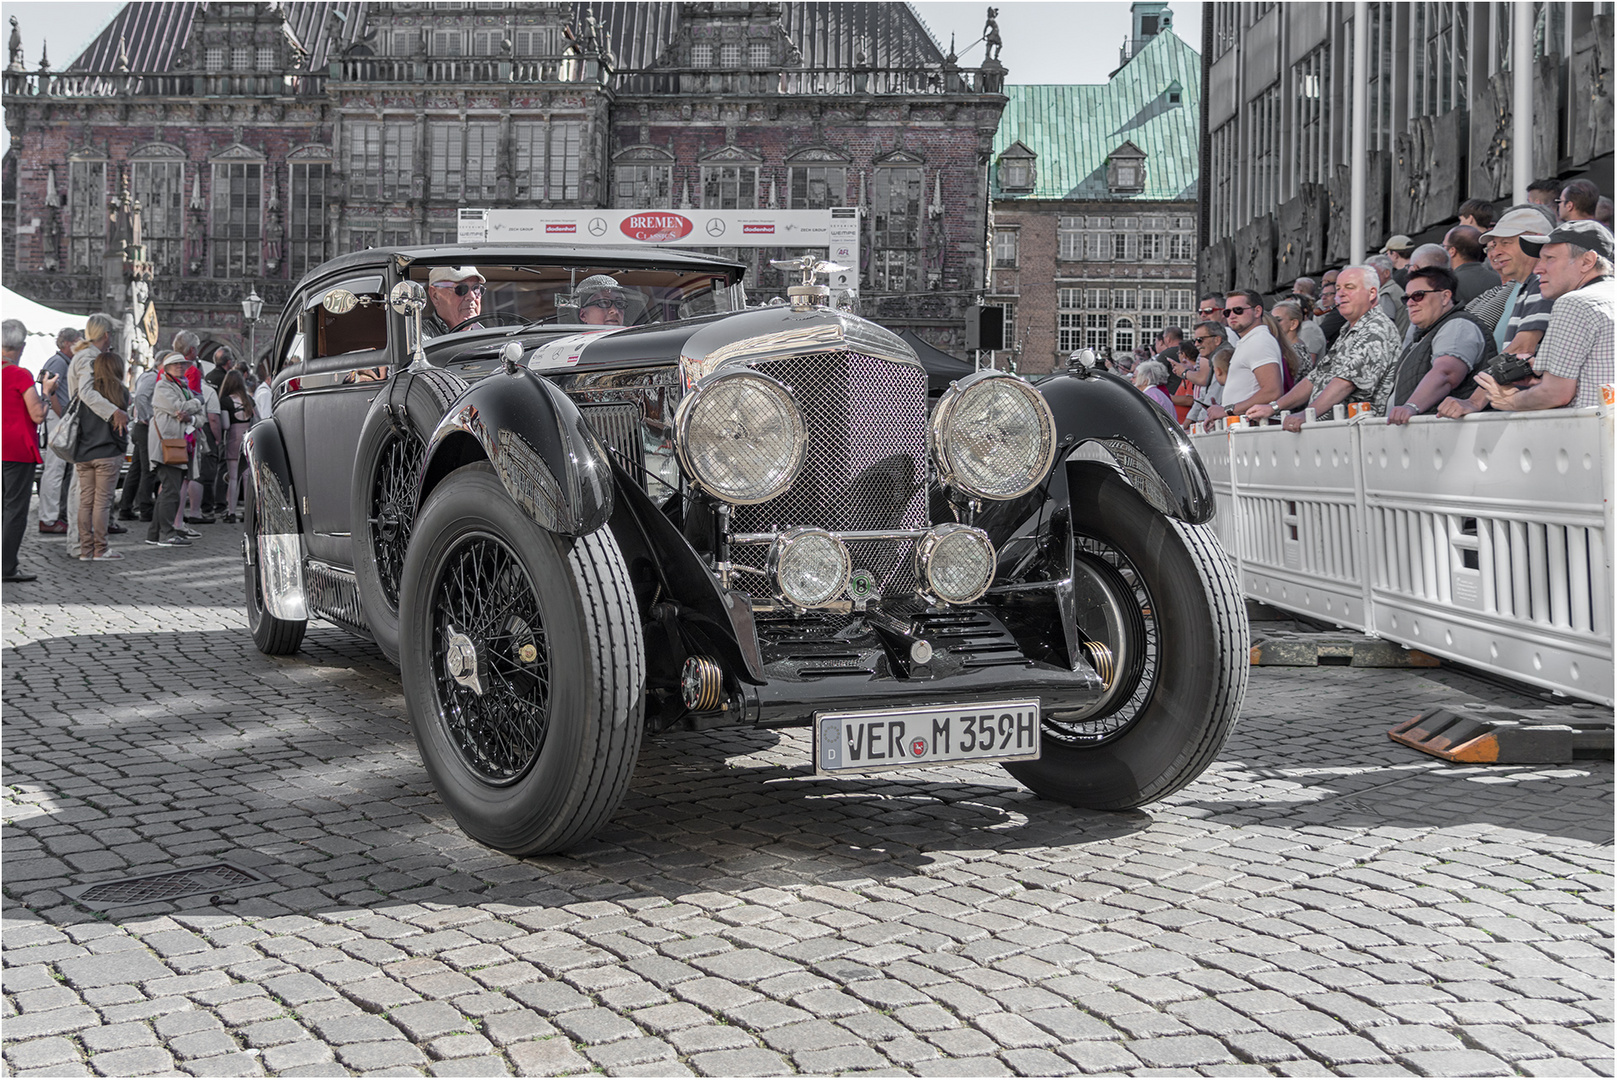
172	433
1512	311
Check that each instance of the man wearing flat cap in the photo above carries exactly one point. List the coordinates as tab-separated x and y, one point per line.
1575	358
455	294
1399	249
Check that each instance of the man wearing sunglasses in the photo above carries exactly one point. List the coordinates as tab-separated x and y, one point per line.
1575	358
1255	376
1210	308
601	301
1442	348
455	294
1358	367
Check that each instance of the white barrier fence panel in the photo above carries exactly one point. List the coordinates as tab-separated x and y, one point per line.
1486	540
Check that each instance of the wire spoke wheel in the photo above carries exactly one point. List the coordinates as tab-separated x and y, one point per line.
393	510
491	661
1116	612
523	665
1158	608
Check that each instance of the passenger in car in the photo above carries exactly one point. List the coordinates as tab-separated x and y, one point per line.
601	301
456	294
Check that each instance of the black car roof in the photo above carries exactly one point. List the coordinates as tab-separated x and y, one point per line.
553	254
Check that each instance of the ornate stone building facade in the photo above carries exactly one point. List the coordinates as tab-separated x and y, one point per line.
1279	123
260	139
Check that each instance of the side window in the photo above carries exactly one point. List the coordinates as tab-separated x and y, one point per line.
363	329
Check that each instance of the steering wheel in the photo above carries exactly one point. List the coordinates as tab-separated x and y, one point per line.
498	318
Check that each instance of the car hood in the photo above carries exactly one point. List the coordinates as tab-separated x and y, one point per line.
703	345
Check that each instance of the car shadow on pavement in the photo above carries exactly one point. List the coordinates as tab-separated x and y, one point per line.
134	754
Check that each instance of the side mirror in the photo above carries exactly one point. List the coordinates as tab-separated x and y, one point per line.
339	301
407	296
409	299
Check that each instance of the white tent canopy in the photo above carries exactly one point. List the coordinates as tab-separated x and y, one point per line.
43	325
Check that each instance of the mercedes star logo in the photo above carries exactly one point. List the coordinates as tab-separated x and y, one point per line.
715	227
597	226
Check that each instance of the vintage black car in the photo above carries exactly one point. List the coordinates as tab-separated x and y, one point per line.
569	536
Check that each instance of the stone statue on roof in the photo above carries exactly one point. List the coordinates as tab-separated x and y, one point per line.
17	62
991	39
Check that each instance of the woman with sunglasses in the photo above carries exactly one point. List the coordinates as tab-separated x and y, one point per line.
601	301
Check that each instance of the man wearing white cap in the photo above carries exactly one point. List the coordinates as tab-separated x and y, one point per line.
456	295
1575	358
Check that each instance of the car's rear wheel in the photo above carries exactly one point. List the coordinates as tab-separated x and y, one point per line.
387	467
523	667
1164	621
274	637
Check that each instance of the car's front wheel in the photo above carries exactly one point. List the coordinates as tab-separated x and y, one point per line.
523	668
1161	614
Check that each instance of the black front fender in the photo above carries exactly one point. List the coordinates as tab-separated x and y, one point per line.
543	451
1101	417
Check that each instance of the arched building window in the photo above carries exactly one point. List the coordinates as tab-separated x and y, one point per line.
643	179
157	182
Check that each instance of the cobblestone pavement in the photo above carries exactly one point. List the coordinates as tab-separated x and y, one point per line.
1323	901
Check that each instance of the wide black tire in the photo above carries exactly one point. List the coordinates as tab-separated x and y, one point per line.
274	637
382	506
1181	650
538	760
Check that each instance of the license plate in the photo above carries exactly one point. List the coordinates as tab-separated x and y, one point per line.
859	742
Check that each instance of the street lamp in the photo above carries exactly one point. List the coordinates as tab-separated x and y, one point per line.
251	308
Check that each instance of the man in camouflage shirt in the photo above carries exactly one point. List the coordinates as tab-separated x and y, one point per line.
1358	366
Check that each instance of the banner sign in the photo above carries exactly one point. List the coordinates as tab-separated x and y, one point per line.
665	228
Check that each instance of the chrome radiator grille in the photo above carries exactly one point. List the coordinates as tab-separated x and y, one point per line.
866	463
618	428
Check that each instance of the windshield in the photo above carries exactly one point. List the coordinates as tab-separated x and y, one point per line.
559	295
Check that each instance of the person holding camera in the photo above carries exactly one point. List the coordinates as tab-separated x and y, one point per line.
1575	358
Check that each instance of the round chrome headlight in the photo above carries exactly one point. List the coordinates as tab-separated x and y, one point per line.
956	562
740	436
810	567
993	435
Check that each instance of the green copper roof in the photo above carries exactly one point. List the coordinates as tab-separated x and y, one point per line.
1073	129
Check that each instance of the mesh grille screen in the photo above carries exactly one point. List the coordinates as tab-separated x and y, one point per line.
866	464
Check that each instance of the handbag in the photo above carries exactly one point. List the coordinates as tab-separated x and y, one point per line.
64	441
175	451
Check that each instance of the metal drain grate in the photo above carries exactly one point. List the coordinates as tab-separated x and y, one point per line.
155	888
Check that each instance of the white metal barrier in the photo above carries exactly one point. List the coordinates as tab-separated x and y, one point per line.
1484	540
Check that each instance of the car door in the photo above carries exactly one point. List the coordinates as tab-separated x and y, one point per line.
347	360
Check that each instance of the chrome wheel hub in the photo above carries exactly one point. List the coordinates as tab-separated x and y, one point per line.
462	662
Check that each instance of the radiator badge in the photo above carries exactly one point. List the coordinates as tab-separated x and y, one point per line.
861	585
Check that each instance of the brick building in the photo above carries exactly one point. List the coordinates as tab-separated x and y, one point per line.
260	139
1094	201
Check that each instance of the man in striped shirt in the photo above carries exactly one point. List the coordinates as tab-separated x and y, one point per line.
1575	358
1517	310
